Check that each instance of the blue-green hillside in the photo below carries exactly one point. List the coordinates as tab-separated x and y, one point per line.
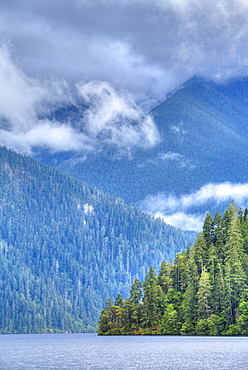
66	247
204	138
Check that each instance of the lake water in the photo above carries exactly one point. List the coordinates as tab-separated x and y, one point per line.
88	351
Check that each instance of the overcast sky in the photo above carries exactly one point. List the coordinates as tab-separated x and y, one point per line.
149	46
141	49
121	56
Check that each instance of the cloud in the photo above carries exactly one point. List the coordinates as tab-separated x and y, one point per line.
146	48
149	47
25	103
183	221
115	117
22	101
177	210
179	160
19	94
216	192
47	135
121	57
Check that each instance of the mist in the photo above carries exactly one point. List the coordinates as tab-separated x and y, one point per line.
187	211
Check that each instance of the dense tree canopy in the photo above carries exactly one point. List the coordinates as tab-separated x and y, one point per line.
66	247
203	292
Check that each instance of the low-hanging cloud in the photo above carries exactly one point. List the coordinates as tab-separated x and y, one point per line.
19	94
112	117
115	117
46	135
176	210
178	160
184	221
22	101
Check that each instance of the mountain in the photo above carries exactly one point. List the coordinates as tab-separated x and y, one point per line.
65	247
204	138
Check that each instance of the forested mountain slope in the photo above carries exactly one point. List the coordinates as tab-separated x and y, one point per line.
204	291
204	138
66	247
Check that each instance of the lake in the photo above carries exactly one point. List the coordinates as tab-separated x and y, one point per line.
88	351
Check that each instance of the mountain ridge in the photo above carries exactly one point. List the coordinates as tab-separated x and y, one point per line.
204	138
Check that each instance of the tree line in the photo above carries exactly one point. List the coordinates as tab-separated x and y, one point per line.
203	292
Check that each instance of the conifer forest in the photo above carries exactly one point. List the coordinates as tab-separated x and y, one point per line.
65	247
203	292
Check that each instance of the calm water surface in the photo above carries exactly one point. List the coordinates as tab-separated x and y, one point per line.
88	351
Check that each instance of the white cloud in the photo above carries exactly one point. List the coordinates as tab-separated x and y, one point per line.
176	209
146	46
115	116
216	192
112	117
172	156
183	221
48	135
19	94
180	161
22	100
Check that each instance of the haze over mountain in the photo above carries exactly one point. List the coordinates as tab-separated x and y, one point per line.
115	61
198	164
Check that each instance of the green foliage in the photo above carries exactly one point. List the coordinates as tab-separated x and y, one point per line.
66	247
204	291
169	324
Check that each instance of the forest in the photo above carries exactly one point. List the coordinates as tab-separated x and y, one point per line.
65	247
203	292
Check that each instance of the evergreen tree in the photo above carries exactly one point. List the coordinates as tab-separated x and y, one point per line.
203	295
151	300
241	327
219	238
208	230
200	252
204	291
169	324
164	278
118	300
235	277
65	247
134	304
136	292
189	311
106	318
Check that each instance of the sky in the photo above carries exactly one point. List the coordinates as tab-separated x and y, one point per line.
121	57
